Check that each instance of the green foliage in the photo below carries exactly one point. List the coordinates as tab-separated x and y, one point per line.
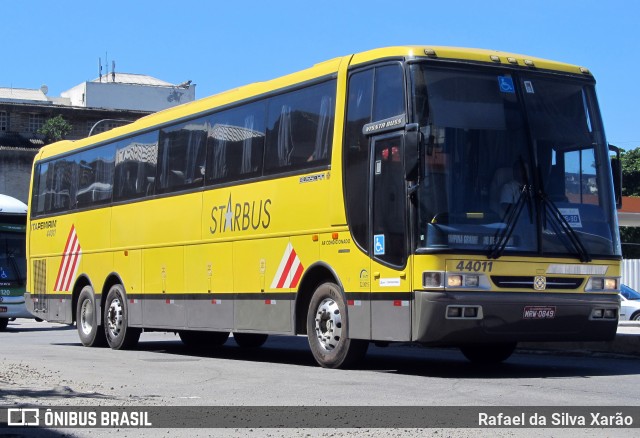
630	172
55	129
630	238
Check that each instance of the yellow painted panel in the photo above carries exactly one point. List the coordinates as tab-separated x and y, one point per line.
163	270
208	268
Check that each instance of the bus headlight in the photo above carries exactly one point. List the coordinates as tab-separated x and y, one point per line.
603	284
432	279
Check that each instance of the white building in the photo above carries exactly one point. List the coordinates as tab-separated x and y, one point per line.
126	91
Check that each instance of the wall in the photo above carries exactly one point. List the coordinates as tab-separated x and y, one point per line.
16	172
131	96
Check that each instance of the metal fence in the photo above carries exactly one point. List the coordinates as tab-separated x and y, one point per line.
631	273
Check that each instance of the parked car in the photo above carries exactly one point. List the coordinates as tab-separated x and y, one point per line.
629	304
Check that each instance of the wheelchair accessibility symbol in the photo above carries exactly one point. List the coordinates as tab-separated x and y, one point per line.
378	244
506	84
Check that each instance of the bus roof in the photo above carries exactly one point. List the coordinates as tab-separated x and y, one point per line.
318	70
12	205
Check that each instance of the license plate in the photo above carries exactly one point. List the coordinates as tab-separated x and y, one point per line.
3	309
539	312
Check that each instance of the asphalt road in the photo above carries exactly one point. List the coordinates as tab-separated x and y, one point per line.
45	364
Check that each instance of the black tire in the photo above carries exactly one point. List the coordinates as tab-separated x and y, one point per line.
487	354
4	322
250	340
90	333
327	328
635	317
203	340
116	321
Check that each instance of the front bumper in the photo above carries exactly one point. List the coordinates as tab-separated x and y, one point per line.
506	317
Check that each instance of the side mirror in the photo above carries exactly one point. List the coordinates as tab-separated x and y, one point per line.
616	171
412	140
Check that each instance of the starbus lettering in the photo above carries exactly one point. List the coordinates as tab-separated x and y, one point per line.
240	216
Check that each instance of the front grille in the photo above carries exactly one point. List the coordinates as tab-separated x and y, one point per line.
524	282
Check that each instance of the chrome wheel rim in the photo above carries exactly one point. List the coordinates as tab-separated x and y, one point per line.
86	317
328	324
115	317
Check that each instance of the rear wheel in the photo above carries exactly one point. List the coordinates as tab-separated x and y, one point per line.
4	322
327	329
116	326
90	333
203	340
250	340
486	354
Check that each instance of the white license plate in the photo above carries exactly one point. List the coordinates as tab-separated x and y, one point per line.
539	312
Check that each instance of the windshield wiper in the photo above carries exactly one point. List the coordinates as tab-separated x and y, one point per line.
16	268
559	218
501	241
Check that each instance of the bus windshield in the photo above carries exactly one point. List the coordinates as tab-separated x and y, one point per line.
512	163
13	262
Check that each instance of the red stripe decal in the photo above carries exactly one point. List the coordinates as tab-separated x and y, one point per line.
297	275
287	268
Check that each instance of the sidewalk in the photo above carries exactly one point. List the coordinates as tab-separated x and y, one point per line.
626	342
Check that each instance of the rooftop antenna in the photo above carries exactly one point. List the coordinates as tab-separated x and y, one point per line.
113	71
100	68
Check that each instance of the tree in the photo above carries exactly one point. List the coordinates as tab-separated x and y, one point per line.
55	129
630	236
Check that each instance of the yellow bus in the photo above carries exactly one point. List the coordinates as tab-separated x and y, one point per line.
435	195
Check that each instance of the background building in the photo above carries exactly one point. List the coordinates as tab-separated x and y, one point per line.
115	99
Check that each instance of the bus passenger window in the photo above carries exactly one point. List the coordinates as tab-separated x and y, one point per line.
300	128
135	166
235	143
182	156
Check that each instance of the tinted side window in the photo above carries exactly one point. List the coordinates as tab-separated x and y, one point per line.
182	155
388	99
95	176
41	198
135	166
62	185
300	128
356	154
235	143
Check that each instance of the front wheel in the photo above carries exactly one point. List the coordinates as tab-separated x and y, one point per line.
4	322
89	332
636	317
486	354
327	329
116	324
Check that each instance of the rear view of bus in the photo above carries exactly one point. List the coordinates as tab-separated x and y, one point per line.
13	217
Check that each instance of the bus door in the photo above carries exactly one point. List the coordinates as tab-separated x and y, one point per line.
391	300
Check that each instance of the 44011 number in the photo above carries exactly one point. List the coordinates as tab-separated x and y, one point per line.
474	266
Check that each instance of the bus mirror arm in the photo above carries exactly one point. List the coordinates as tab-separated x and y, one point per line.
616	170
412	146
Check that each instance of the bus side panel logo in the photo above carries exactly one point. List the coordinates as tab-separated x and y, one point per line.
70	262
289	271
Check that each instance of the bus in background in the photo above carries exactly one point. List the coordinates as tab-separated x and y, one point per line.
13	261
436	195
